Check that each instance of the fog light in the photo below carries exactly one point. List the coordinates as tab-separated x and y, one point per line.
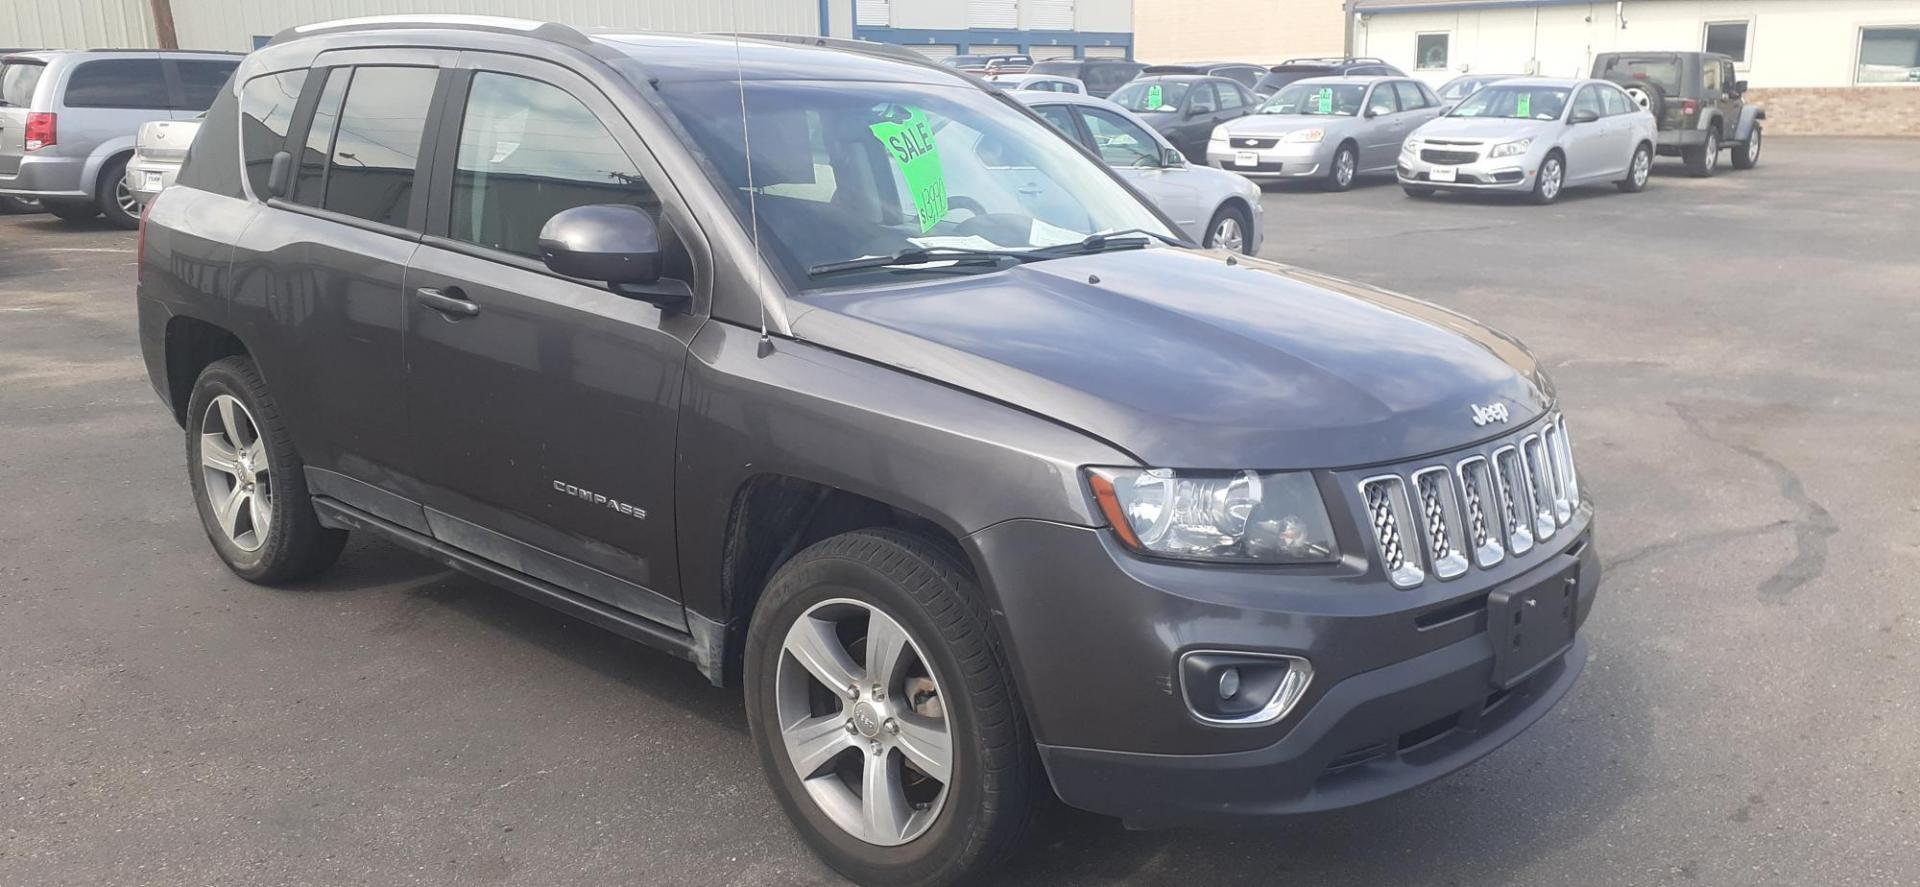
1229	682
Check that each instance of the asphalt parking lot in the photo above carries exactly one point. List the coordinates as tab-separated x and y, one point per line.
1737	358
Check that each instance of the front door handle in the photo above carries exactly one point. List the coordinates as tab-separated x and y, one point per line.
447	301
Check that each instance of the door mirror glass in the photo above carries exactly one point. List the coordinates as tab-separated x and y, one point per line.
1171	158
616	243
1583	117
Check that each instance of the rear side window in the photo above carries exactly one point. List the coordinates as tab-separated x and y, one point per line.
1059	118
266	110
17	80
1615	101
1410	95
529	150
200	82
118	83
377	144
310	179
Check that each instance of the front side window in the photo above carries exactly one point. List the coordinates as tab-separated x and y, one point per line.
1382	100
919	166
200	82
529	150
377	144
266	110
1728	39
1119	141
1230	97
1588	102
1317	99
1152	95
118	83
1514	102
1431	50
1889	55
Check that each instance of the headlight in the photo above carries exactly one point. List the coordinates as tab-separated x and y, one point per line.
1239	516
1219	135
1304	135
1409	146
1510	149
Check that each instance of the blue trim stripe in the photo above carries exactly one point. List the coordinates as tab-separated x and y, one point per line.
1012	39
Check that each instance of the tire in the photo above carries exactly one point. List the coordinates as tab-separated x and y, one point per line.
1229	230
1746	155
1344	169
1703	160
986	808
294	546
15	206
1639	169
1551	180
70	211
1647	95
1418	192
115	201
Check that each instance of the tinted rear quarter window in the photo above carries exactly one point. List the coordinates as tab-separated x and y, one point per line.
117	83
370	172
200	82
17	80
266	110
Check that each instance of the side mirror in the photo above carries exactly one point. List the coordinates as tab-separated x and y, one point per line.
1370	114
1583	117
1171	158
615	243
1195	111
280	175
1739	87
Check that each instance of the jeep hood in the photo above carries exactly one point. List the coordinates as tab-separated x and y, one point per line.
1186	361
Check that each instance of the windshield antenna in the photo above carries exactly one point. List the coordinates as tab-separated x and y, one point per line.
753	201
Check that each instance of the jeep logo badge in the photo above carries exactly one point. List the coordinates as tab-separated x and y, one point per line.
1495	412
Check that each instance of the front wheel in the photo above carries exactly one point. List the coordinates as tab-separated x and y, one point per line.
1747	154
1638	170
248	483
1229	230
1551	178
1346	165
885	715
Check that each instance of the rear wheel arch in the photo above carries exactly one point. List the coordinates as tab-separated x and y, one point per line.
192	345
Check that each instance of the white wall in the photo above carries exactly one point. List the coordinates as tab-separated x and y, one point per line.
1794	43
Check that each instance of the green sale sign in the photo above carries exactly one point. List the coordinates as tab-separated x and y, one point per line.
910	143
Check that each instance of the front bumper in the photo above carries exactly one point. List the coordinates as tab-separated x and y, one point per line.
1280	161
1512	173
47	176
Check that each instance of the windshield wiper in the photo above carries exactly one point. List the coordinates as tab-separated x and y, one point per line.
1129	238
920	255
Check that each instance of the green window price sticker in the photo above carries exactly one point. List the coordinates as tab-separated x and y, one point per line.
1525	108
1323	100
910	142
1153	97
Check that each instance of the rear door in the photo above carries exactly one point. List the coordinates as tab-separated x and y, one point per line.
19	80
546	407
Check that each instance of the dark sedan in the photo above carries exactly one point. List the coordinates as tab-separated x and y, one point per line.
1186	107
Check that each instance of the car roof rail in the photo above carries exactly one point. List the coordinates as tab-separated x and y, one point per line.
847	44
553	31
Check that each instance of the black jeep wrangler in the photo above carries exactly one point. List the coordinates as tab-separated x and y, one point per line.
1699	106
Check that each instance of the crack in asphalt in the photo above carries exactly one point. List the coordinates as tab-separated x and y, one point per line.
1811	530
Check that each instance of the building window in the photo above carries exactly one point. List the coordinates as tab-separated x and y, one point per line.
1889	55
1430	52
1729	39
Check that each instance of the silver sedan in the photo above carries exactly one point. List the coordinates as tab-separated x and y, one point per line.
1333	129
1533	136
1215	209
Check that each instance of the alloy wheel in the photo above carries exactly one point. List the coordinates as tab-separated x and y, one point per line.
1226	235
238	480
1713	150
123	198
1343	165
1642	167
863	723
1552	175
1753	146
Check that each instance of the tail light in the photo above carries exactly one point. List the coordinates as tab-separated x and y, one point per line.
41	131
1690	107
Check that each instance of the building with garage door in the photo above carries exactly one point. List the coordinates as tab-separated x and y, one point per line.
1819	66
1042	28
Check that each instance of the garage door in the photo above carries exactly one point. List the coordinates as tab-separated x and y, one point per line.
935	51
871	13
1051	52
993	14
1050	15
1106	52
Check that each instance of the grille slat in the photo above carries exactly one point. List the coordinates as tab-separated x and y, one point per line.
1449	158
1386	499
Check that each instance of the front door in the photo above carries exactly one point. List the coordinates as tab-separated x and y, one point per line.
1590	153
1129	149
1379	132
544	407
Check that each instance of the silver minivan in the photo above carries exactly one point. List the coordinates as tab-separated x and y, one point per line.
68	121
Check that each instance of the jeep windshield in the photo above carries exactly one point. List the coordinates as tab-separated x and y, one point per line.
842	173
1317	99
1514	103
1662	71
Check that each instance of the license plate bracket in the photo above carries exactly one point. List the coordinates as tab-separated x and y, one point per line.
1531	626
1246	158
1444	174
150	181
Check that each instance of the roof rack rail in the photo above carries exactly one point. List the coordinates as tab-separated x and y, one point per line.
1336	60
143	50
553	31
848	44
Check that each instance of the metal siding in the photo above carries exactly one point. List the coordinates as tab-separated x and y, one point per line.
1050	15
993	13
76	24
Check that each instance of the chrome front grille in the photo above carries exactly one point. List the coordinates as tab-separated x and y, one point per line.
1490	503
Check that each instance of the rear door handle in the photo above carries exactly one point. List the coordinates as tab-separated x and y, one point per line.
449	301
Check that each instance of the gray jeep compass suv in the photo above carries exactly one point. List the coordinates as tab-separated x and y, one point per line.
848	380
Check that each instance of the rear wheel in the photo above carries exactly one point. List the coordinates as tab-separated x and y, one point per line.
1747	154
1346	165
1228	230
70	210
1638	170
884	713
1551	178
115	198
1703	160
